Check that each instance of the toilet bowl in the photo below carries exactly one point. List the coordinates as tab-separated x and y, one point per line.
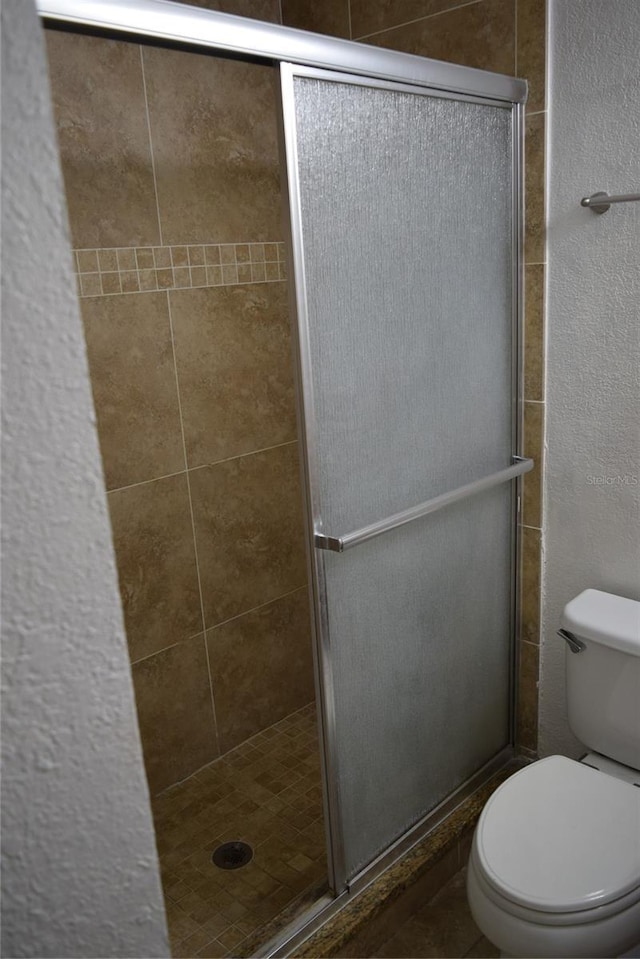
555	864
554	869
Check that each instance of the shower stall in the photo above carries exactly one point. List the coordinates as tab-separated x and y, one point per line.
402	184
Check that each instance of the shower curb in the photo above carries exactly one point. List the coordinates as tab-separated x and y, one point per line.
362	925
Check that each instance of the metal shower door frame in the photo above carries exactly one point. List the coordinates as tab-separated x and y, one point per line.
206	31
317	539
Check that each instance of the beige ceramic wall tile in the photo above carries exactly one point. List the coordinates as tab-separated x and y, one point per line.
329	17
214	133
533	447
153	540
233	351
175	714
534	333
531	46
276	640
477	35
248	519
370	17
530	609
255	9
527	726
134	386
98	98
534	246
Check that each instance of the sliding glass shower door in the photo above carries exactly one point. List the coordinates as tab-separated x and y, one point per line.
404	239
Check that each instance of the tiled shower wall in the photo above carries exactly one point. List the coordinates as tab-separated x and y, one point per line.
505	36
172	179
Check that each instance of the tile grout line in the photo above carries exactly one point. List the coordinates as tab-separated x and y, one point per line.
154	479
408	23
189	268
150	246
255	735
177	289
192	469
153	165
224	622
164	649
264	449
515	38
213	762
253	609
349	19
193	524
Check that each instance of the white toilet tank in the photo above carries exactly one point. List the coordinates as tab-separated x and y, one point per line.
603	679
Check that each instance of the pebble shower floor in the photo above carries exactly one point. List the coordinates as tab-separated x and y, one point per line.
266	792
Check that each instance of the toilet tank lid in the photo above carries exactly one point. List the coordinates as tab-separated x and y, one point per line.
604	618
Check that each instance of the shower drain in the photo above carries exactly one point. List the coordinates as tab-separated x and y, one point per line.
232	855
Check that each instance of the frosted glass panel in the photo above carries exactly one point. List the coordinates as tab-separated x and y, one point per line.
406	209
420	632
406	228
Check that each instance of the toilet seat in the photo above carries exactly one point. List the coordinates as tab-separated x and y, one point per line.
536	917
559	844
524	934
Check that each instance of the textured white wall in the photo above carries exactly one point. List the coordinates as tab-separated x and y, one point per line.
79	870
592	485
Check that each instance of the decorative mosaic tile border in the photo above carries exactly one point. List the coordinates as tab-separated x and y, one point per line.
142	269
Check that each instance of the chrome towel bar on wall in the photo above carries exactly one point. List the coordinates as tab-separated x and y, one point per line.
338	544
600	202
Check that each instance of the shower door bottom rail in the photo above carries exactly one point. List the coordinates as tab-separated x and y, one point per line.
338	544
308	922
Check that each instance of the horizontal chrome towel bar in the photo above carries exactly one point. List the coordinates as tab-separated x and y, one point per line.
600	202
337	544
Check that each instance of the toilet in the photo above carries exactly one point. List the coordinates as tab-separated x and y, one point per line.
554	868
